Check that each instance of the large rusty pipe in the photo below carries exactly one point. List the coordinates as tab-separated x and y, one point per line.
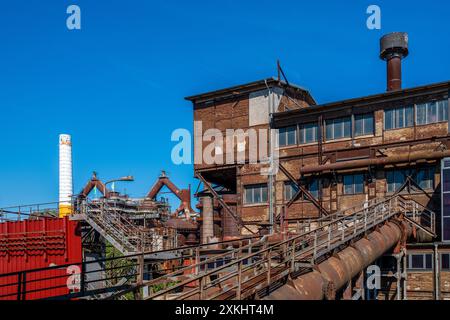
352	164
335	272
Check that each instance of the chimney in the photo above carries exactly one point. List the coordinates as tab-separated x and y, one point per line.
65	175
393	48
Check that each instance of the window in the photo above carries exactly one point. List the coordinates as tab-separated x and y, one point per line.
290	189
425	178
395	179
287	136
445	261
308	133
445	198
338	128
313	187
363	124
255	194
353	183
398	118
432	112
420	261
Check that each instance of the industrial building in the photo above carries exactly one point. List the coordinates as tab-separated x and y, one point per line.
337	156
335	190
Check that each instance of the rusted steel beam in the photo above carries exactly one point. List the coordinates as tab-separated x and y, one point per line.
94	182
426	155
387	145
222	203
183	194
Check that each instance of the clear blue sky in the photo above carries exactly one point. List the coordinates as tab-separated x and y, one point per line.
117	86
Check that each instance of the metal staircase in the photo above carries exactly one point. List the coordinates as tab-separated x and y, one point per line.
121	232
265	264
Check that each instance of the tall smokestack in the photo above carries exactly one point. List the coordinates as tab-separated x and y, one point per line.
65	175
393	48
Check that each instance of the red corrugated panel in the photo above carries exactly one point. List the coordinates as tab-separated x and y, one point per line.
33	244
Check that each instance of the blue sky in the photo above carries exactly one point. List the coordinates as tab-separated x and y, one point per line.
117	85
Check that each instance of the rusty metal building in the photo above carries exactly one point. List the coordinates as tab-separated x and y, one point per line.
331	157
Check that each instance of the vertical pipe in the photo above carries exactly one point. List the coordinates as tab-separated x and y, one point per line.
437	294
394	73
399	275
270	189
405	275
208	222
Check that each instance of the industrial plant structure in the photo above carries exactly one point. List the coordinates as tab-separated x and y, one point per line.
336	191
336	156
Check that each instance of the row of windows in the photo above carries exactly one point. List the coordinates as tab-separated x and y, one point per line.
396	178
424	261
426	113
363	124
445	195
352	184
334	129
432	112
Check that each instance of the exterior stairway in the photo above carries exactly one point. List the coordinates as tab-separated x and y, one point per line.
264	265
117	229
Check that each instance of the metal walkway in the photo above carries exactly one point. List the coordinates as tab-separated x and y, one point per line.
113	224
255	269
248	268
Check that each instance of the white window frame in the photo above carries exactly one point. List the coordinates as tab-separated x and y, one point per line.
302	133
424	260
343	128
363	127
286	136
427	104
254	187
404	117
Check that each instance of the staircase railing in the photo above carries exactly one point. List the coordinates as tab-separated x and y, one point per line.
249	273
125	235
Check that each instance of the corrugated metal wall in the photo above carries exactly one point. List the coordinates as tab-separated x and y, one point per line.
32	244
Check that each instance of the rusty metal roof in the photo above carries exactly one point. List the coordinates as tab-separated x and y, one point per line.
248	87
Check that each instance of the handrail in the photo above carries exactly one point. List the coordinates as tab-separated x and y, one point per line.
318	241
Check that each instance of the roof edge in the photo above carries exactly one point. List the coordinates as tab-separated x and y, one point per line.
243	88
368	99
